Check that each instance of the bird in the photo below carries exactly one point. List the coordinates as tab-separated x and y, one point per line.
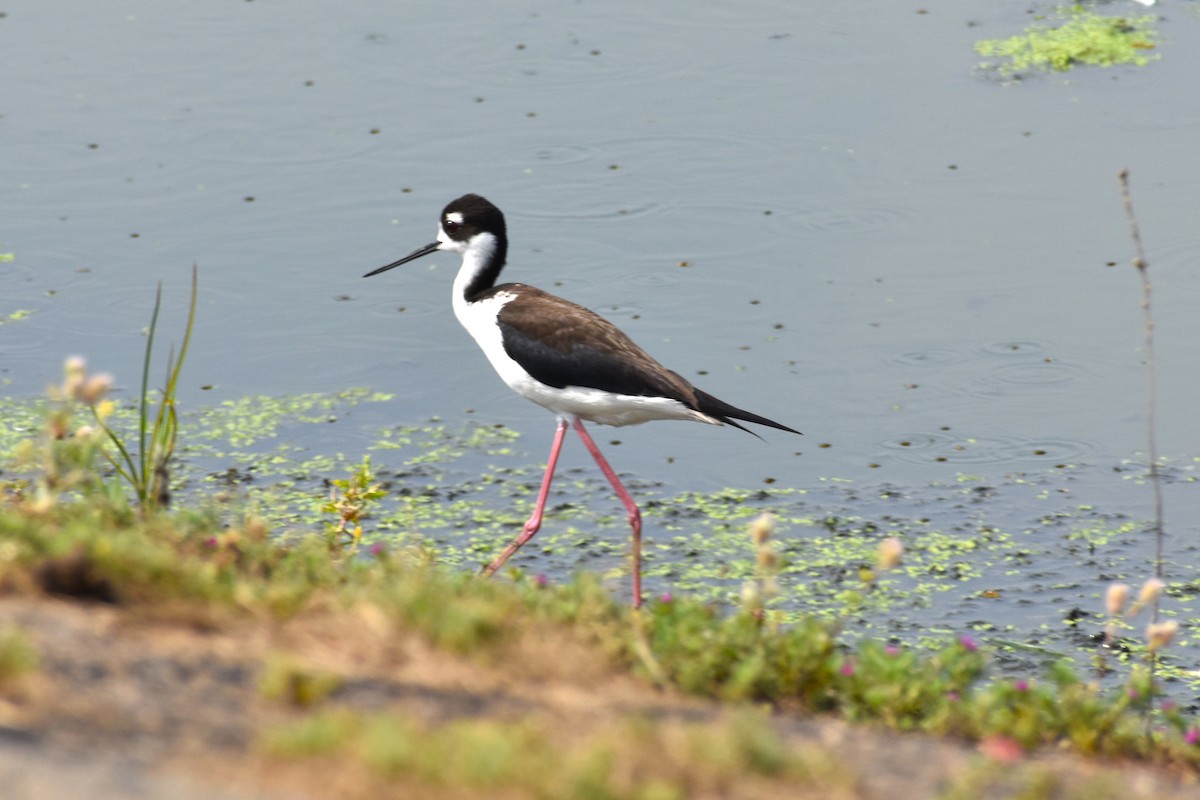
562	356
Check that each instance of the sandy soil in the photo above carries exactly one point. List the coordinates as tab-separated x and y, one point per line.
162	703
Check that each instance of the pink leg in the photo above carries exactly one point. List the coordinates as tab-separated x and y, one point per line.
535	521
635	516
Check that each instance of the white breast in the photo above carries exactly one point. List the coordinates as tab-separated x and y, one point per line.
594	405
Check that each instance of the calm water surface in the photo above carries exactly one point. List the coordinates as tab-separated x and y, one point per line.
822	212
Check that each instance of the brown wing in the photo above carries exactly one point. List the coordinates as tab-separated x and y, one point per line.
563	344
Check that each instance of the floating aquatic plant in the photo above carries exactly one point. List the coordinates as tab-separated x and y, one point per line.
1082	37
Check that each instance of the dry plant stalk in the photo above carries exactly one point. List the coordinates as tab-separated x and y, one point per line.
1143	268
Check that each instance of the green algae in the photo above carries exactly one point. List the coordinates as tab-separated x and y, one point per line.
246	421
22	420
1075	36
454	490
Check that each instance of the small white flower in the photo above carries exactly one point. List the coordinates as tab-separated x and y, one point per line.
891	551
1115	598
1160	634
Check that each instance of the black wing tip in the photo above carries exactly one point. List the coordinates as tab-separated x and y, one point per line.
754	418
720	410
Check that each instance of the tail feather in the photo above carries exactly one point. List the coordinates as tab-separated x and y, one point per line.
719	409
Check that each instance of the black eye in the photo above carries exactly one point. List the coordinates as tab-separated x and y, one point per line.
450	225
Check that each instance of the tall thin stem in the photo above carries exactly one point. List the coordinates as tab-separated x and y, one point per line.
1143	268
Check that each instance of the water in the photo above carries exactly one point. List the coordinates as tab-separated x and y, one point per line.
923	269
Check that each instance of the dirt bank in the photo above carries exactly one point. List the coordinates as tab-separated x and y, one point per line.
164	702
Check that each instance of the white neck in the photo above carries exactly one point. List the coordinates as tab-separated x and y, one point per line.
477	254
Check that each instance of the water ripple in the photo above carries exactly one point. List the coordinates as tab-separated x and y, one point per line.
567	70
996	369
1013	347
941	446
553	155
929	357
865	219
594	210
1044	374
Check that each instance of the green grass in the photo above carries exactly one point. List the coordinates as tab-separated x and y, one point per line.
631	760
283	679
146	467
192	558
18	656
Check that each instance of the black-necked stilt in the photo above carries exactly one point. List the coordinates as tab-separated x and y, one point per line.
561	356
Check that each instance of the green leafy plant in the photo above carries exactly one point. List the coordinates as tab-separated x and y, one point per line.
66	455
349	499
147	470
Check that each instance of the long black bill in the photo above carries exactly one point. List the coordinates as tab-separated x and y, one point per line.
423	251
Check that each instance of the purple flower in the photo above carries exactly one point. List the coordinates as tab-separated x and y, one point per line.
848	668
1022	686
1192	736
666	597
541	581
892	650
377	550
968	643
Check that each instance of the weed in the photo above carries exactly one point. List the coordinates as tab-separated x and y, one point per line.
630	760
65	457
18	656
147	471
284	680
763	587
349	499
